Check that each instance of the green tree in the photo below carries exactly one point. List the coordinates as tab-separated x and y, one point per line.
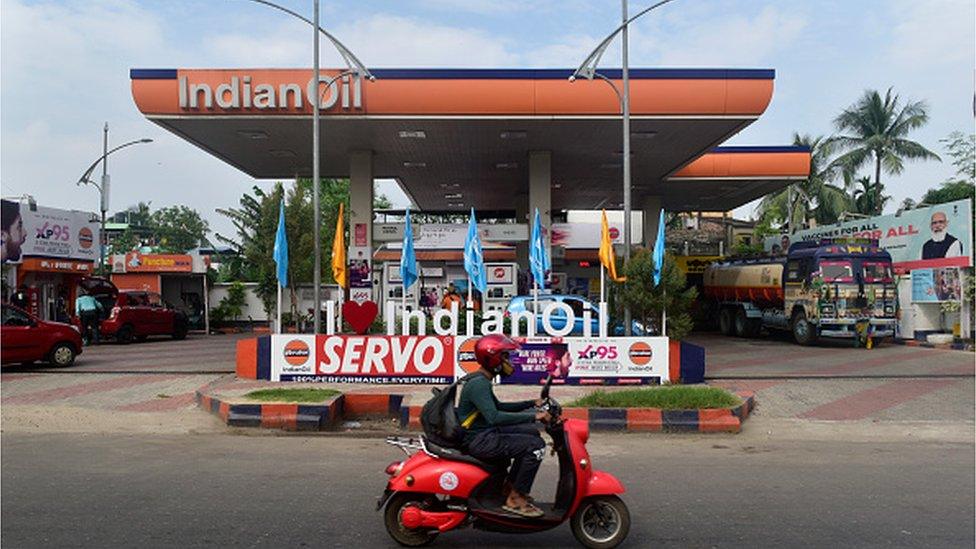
877	130
814	197
962	149
178	229
255	221
868	200
646	300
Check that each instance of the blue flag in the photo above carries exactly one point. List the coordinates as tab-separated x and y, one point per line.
538	259
474	260
281	248
408	262
658	255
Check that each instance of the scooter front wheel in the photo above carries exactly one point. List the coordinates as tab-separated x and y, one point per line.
392	517
601	522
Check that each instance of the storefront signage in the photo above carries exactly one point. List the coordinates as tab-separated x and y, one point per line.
452	236
936	285
135	262
248	93
56	265
586	236
581	360
448	236
933	236
47	232
695	264
362	359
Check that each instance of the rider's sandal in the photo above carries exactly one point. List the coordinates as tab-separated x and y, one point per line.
527	510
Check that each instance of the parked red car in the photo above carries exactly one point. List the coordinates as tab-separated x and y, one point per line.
24	338
133	314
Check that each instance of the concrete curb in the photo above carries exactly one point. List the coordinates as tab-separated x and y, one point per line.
300	417
718	420
322	417
955	346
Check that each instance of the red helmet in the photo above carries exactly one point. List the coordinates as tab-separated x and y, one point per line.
488	351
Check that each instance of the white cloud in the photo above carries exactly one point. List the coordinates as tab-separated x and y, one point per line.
389	40
933	34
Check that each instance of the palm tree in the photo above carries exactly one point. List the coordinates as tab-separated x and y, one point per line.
813	197
868	200
877	128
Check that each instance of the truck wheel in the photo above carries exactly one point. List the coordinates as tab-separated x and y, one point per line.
804	332
726	324
741	323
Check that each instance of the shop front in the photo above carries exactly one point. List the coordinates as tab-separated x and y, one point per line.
179	279
46	252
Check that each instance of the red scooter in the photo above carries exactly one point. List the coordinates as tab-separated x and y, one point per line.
439	489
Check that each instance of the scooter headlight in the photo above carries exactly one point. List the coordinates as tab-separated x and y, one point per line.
394	468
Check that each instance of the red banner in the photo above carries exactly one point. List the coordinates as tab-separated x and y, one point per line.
362	359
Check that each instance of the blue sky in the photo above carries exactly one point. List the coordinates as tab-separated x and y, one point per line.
64	71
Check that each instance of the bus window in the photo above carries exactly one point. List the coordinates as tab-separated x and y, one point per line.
876	271
836	271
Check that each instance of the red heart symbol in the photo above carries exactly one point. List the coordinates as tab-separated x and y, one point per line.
359	316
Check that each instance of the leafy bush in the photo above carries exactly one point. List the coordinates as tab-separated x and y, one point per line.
646	301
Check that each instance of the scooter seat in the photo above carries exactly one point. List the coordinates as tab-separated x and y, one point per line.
454	454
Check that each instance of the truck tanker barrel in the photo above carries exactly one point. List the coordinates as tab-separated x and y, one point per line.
759	281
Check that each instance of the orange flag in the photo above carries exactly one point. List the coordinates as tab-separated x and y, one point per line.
339	272
606	251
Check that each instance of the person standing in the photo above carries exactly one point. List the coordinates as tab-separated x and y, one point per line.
89	310
452	296
20	297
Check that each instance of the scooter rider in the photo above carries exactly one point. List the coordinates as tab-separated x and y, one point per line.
502	430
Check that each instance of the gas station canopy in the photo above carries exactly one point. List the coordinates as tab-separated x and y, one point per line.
460	138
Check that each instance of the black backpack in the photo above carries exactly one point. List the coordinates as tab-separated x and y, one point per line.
440	423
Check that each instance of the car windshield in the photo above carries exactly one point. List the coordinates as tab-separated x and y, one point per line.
836	271
13	317
876	271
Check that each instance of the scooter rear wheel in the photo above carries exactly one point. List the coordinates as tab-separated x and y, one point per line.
601	522
394	525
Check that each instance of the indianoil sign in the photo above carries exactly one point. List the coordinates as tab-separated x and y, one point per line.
245	92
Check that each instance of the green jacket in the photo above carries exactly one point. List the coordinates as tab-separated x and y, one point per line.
477	395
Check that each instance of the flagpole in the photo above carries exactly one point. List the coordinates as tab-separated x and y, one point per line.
664	313
602	276
279	307
342	299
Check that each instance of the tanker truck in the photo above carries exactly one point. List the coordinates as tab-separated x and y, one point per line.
829	288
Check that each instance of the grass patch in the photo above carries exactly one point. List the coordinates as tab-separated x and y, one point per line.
292	395
674	397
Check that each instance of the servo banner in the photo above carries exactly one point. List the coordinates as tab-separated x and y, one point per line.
362	359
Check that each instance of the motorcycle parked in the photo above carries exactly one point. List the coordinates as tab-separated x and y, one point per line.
437	489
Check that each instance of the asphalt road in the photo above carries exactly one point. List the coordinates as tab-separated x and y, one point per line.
291	491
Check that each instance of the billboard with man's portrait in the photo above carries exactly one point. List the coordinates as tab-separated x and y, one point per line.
46	232
923	238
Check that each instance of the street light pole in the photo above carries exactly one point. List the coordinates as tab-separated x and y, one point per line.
356	67
317	271
588	70
103	188
625	99
103	199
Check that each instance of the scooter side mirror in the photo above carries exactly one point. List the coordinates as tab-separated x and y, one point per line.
545	389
